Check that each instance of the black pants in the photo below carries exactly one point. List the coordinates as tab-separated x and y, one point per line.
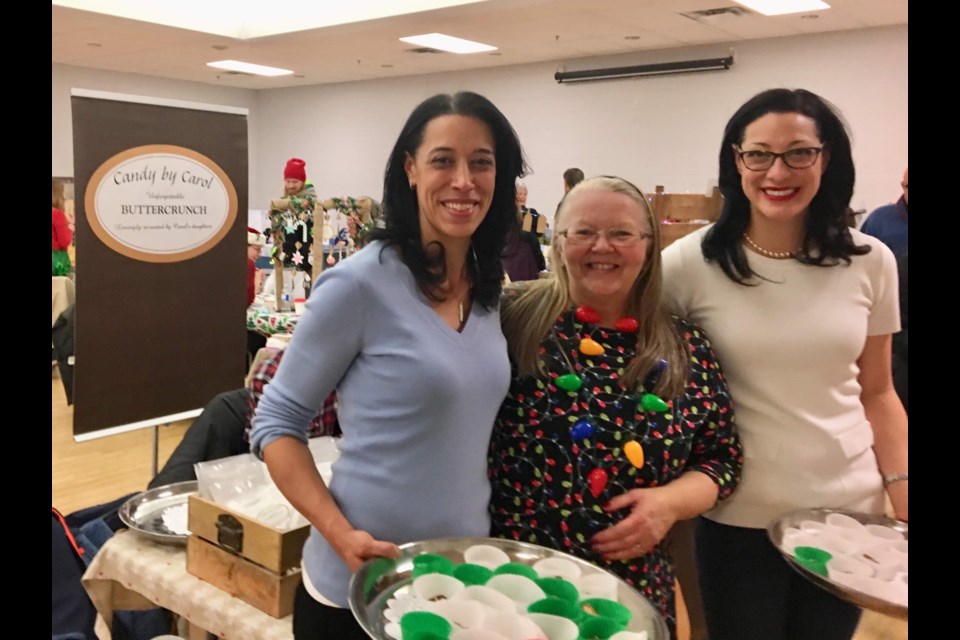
315	621
751	593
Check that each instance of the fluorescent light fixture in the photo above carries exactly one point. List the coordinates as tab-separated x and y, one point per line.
255	18
444	42
783	7
660	68
247	67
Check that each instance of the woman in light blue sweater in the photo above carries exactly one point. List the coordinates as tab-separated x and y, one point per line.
408	332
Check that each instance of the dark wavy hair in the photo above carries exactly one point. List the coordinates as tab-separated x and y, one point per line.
826	238
402	214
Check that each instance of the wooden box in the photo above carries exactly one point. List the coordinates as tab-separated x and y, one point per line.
265	590
270	548
682	213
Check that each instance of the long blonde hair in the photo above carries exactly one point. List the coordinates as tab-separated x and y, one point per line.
58	198
530	309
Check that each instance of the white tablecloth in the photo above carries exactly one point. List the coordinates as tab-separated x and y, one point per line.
132	572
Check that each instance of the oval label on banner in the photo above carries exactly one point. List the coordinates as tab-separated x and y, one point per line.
160	203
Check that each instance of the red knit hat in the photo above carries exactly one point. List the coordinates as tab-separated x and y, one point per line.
295	170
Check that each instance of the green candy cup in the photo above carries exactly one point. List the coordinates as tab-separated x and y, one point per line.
557	607
606	608
423	625
594	628
559	588
813	559
516	568
472	574
431	563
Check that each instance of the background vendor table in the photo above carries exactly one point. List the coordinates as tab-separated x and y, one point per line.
131	572
269	322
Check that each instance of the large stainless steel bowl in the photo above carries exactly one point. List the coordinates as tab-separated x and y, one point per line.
143	513
794	518
379	580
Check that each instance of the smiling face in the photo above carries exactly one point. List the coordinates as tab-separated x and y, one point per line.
603	275
454	172
780	193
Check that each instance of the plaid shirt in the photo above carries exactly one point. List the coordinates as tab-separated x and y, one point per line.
325	423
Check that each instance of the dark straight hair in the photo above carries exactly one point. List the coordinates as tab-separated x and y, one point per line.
826	240
401	211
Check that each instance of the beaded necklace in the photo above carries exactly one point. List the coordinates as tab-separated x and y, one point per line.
573	382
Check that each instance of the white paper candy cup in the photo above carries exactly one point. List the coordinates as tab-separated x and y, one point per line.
812	525
884	532
843	521
556	627
849	565
522	591
436	586
885	556
488	597
513	626
476	634
629	635
393	630
836	545
557	568
598	585
486	556
793	538
464	614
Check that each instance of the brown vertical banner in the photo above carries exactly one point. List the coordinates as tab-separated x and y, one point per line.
161	217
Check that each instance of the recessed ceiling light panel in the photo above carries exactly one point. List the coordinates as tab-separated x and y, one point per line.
783	7
443	42
246	67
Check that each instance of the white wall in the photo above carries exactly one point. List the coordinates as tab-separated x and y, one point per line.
67	77
653	130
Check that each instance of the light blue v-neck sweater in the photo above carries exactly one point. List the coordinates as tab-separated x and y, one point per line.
417	405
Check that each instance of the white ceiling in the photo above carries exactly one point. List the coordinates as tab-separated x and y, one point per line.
523	30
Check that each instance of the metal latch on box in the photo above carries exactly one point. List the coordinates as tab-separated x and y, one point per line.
230	532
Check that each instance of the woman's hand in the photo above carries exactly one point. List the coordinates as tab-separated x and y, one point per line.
356	547
651	517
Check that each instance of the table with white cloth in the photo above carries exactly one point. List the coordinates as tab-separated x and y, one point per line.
64	295
133	572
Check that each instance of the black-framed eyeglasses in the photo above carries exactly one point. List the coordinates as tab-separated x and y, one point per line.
799	158
616	237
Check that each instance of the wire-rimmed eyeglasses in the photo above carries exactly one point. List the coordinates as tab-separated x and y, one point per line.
616	237
799	158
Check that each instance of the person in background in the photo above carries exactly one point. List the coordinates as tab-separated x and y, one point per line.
255	243
618	422
522	256
571	178
294	228
801	309
393	326
62	235
889	223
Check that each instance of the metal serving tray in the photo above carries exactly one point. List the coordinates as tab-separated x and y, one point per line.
794	518
143	513
379	580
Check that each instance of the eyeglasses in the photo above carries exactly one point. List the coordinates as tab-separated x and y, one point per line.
800	158
616	237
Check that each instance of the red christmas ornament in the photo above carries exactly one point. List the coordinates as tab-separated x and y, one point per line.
598	482
586	314
627	325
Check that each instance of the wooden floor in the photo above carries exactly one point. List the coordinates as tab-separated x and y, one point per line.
97	471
